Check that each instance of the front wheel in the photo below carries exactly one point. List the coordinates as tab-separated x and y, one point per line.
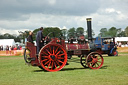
27	56
94	60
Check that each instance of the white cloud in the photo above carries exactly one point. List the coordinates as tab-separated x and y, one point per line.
110	10
52	2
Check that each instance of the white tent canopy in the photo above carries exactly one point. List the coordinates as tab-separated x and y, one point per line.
121	39
5	42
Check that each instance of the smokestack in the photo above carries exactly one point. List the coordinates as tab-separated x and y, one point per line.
89	29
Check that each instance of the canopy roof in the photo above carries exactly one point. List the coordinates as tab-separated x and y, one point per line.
5	42
121	39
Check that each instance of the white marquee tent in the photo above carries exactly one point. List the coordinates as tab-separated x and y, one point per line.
121	39
5	42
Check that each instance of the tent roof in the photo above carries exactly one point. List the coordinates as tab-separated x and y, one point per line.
8	42
121	39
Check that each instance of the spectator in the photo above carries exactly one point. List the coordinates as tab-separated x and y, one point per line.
1	48
20	47
7	49
15	48
10	50
120	44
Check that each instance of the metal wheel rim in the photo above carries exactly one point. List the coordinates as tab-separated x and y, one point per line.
27	56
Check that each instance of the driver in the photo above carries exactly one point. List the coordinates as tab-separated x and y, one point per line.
39	39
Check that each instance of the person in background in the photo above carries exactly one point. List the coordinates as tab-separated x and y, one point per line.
7	49
30	38
39	39
15	50
10	50
1	48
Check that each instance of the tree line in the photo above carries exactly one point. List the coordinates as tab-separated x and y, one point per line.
68	33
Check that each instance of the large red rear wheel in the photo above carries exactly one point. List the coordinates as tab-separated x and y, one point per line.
94	60
52	57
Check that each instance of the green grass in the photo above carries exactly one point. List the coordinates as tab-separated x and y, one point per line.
13	71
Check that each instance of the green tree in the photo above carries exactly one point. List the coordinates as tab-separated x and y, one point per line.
47	30
112	32
79	31
23	35
72	33
56	31
126	31
103	32
120	33
64	33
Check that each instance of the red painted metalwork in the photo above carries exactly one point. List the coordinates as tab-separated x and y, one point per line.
77	46
33	56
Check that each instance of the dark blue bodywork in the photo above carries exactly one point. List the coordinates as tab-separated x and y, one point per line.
106	47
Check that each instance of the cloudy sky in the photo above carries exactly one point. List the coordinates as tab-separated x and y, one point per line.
20	15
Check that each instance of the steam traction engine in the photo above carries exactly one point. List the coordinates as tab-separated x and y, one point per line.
53	56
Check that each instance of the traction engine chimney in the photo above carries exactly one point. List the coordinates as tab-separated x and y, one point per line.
89	29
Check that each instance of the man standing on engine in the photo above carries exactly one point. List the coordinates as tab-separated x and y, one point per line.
39	39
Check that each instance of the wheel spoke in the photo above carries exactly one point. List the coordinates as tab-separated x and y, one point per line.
95	65
53	51
48	52
52	65
50	49
44	56
47	62
99	61
90	62
55	65
44	53
61	54
44	60
57	62
60	58
98	64
60	61
91	56
56	50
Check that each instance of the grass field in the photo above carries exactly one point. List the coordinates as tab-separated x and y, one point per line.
13	71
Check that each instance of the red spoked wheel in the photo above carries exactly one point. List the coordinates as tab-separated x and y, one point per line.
52	57
94	60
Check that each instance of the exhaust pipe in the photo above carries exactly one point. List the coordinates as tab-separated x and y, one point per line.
89	29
